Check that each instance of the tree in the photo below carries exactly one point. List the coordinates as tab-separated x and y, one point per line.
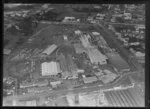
26	26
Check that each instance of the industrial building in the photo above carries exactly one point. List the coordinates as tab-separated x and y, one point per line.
24	103
70	19
49	49
79	48
25	85
41	83
85	41
77	32
118	62
89	79
38	89
68	67
95	33
124	98
7	51
108	78
72	67
64	66
31	103
34	83
96	56
55	83
50	68
90	99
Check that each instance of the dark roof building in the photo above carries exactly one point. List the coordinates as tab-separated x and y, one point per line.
124	98
90	79
118	62
72	66
68	67
64	66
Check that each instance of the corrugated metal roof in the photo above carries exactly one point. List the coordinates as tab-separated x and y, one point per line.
7	51
96	56
79	48
51	68
124	98
89	79
50	49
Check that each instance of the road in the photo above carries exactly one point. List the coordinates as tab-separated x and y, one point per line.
78	90
131	24
66	91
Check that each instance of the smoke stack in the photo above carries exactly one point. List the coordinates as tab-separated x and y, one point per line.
77	99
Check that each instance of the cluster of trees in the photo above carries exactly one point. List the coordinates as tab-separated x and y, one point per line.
90	10
20	32
50	16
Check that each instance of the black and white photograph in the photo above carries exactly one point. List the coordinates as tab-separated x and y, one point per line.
73	55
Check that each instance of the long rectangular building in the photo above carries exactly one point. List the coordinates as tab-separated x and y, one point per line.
63	66
118	62
50	49
96	56
85	41
72	67
79	48
38	89
50	68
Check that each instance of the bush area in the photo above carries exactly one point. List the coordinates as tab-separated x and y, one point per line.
90	10
50	16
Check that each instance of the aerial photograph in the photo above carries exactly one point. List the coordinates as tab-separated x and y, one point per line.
80	55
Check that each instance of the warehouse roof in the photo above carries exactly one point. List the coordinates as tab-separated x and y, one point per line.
50	49
118	61
39	89
85	41
50	68
96	56
7	51
79	48
89	79
95	33
64	66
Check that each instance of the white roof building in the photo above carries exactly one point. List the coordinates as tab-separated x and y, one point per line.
96	56
77	32
139	54
7	51
50	68
100	14
108	78
65	37
95	33
50	49
90	99
69	18
140	27
79	48
55	83
89	79
85	41
127	14
31	103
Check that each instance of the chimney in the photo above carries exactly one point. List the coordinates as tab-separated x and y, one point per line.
77	99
